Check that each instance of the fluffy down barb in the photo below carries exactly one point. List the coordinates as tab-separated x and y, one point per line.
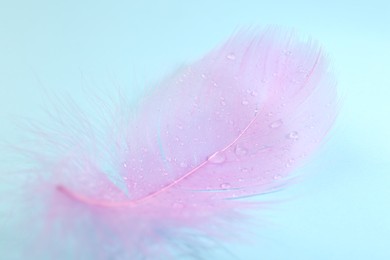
167	180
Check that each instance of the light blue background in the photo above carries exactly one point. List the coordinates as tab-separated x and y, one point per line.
342	209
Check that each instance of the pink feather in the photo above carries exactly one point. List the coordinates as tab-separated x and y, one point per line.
169	178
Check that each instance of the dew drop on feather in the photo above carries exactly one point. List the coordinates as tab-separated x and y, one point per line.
231	56
217	158
225	186
293	135
276	124
240	151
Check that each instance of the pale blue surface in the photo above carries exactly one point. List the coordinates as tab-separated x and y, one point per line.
342	211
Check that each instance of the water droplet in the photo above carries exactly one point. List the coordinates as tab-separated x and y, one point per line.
178	205
231	56
293	135
276	124
218	157
245	102
225	186
183	165
277	177
203	76
263	148
244	170
223	103
124	165
240	151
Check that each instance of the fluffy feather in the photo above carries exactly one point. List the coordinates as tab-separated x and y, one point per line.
165	180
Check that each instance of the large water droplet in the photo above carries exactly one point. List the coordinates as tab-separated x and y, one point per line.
293	135
231	56
218	157
276	124
245	102
183	165
240	150
225	186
